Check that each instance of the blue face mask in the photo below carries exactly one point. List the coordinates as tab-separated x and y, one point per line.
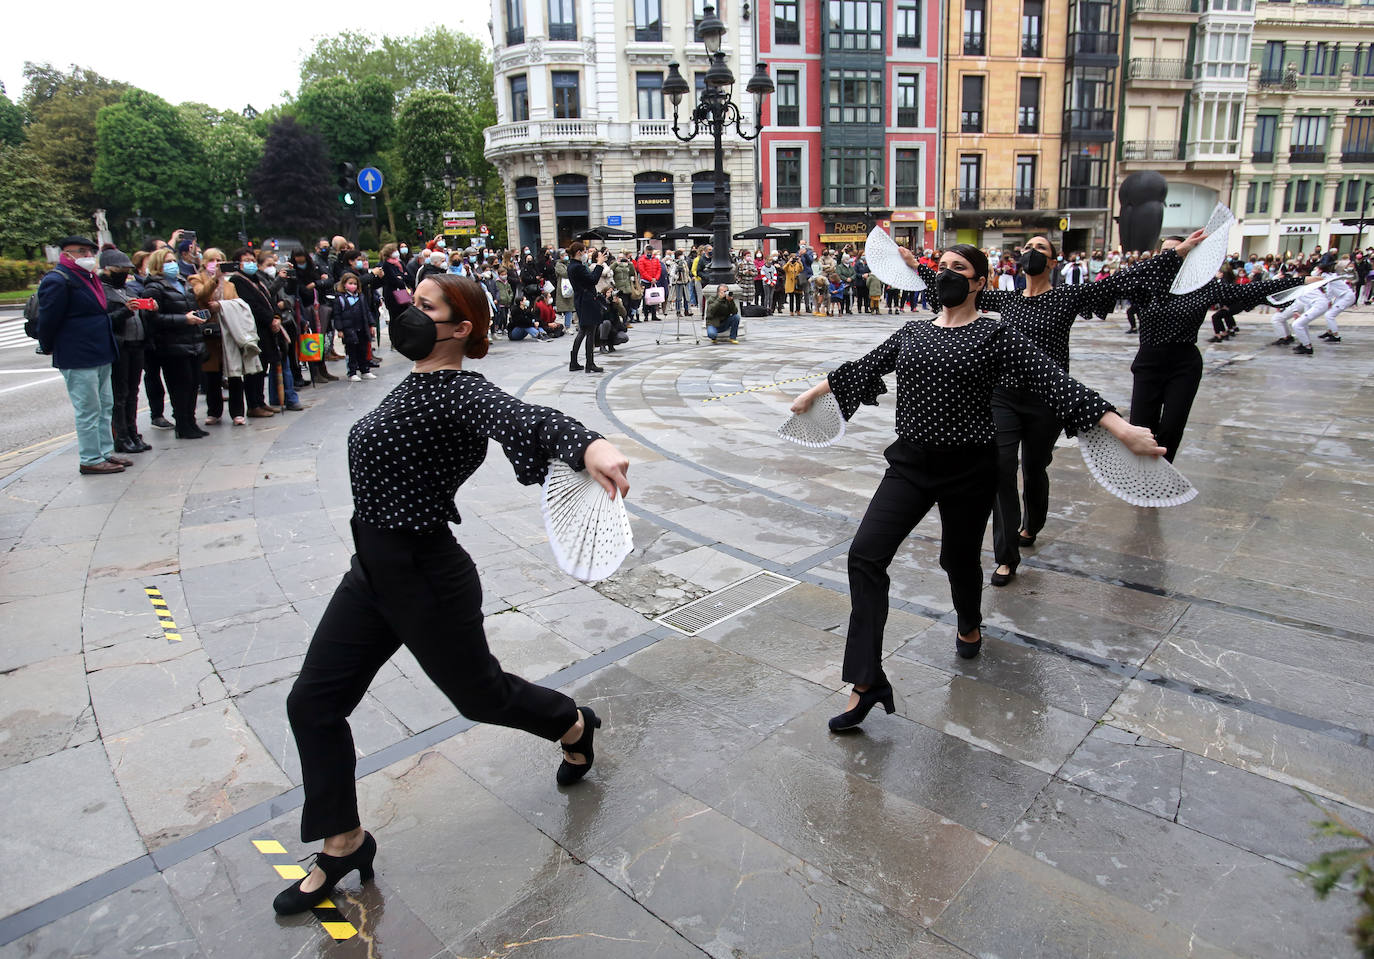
458	270
248	269
170	269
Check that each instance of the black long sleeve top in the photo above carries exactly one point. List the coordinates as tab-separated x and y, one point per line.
1172	318
407	458
945	377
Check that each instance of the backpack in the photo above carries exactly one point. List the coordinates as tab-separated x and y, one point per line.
31	311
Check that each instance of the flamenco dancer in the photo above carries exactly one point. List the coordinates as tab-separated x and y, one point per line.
1167	369
1025	423
945	455
410	583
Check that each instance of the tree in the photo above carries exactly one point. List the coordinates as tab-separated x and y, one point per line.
438	59
353	116
11	121
34	208
232	150
62	108
146	157
292	181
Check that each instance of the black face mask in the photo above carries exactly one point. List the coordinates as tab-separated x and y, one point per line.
951	287
413	334
1033	262
117	278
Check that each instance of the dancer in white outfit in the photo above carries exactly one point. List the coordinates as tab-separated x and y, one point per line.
1341	294
1308	305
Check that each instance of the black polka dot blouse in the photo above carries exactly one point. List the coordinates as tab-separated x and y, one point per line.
407	458
945	377
1171	318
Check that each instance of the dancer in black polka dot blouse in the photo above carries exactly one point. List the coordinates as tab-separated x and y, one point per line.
1167	368
945	455
410	583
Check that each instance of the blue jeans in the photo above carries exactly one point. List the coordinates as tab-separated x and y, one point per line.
288	384
714	332
92	399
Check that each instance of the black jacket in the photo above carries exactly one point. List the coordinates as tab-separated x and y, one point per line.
128	325
585	301
352	320
172	333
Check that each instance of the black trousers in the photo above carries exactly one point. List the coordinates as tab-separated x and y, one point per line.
961	482
1132	316
1166	380
415	590
152	383
254	389
124	380
214	394
1026	430
1222	320
182	373
585	333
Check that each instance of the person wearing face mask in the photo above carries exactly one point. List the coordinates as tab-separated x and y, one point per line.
586	271
303	279
411	584
395	293
176	325
252	290
353	320
209	287
945	455
1027	427
127	371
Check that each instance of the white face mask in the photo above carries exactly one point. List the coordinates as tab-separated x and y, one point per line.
87	263
269	271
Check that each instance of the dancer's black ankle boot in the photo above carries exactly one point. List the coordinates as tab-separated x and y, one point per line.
569	773
967	650
870	697
291	900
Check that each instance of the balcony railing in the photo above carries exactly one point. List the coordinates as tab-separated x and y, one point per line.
1032	45
1357	156
786	32
562	31
1262	156
788	196
1279	79
973	44
1307	154
1141	68
1090	123
908	117
528	132
1083	197
1000	198
648	130
971	121
789	116
1164	6
1092	44
515	36
653	33
1157	150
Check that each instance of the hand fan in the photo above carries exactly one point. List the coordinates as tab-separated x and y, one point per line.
1139	480
1206	258
819	426
1284	297
589	532
885	260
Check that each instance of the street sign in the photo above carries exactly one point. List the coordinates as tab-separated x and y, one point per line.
483	230
370	180
1063	223
613	221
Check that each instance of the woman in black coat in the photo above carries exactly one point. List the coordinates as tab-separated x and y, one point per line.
177	338
253	291
585	301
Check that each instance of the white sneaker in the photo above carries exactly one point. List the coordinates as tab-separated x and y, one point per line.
355	378
369	376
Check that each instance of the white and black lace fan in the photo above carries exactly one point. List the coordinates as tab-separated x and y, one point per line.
1284	297
1202	263
589	532
884	258
819	426
1139	480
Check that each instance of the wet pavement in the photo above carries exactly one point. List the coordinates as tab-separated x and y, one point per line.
1121	773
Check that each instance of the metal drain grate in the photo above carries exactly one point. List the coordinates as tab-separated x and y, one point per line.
719	606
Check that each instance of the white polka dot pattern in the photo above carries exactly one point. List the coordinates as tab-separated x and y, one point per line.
407	458
945	377
1176	317
1139	480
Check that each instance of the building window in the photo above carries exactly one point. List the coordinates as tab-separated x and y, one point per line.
1089	96
1302	196
908	23
1364	60
1032	30
699	10
1257	197
855	24
970	180
1271	67
971	103
515	22
786	25
908	111
1232	6
1028	107
1359	140
856	96
1224	51
787	191
648	21
1084	172
973	27
1025	183
1319	59
649	95
1266	128
519	98
908	174
1355	195
1216	124
848	171
562	20
1309	139
787	102
567	100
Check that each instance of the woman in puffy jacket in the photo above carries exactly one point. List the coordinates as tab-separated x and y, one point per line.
177	338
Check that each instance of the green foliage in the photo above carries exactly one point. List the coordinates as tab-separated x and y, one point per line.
231	149
438	59
62	109
21	274
11	121
34	208
146	157
293	182
353	116
1356	862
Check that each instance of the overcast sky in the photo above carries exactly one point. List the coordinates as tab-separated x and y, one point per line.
198	52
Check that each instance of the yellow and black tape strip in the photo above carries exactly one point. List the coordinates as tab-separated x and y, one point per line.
760	389
164	615
326	912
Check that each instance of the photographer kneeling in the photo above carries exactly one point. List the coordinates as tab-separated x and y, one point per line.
722	313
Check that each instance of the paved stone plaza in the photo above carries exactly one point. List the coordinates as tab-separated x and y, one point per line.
1118	775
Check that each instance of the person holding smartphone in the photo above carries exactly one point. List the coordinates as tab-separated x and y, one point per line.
176	325
589	311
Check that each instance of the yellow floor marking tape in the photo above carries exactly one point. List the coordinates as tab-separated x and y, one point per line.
164	615
760	389
331	919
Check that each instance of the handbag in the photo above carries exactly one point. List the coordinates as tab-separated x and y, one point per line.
565	287
402	297
310	347
653	296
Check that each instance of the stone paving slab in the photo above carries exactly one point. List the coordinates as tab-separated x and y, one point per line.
1117	775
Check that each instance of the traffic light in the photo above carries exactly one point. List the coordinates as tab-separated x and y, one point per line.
345	181
419	233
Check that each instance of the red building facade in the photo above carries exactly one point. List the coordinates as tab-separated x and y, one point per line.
851	133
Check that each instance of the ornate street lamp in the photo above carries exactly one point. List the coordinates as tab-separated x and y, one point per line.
241	203
713	113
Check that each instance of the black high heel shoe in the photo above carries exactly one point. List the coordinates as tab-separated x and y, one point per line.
569	773
875	694
965	649
291	900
